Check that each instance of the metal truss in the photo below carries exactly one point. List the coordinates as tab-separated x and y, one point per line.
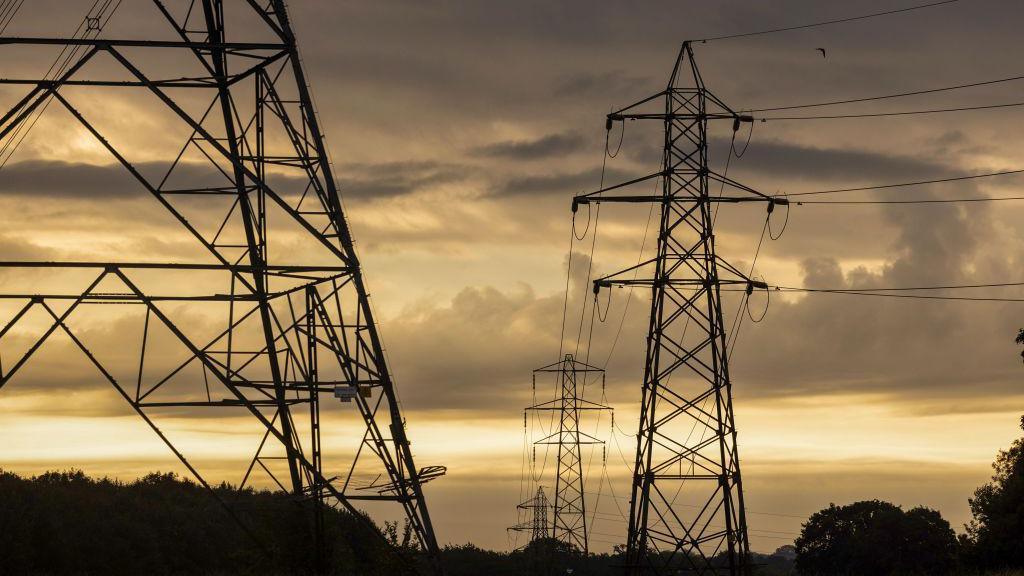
569	522
538	514
686	511
275	316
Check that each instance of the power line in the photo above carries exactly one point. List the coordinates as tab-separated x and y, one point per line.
65	60
903	184
8	10
780	515
829	22
915	288
913	201
877	292
888	114
889	96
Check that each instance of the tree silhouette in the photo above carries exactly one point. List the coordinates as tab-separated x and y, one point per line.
68	523
875	538
995	537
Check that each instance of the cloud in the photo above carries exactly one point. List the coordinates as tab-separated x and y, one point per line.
775	158
20	249
477	351
550	145
565	183
44	179
373	181
909	350
67	180
585	83
926	356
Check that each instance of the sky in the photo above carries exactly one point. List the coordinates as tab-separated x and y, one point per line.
460	131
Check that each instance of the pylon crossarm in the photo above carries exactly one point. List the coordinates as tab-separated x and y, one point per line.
569	364
758	196
678	283
581	404
622	277
627	112
618	114
561	438
682	195
425	475
233	48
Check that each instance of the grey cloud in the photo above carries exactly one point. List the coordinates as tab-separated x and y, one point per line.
767	160
775	158
907	349
12	248
612	82
566	183
390	179
550	145
64	180
44	179
499	336
926	356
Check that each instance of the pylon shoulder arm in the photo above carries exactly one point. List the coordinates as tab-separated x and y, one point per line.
104	42
738	278
597	197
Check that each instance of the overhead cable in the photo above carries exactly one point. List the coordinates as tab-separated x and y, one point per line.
828	22
888	293
888	114
896	95
912	201
915	183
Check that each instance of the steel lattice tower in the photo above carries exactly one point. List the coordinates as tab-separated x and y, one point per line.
686	442
569	523
279	279
538	510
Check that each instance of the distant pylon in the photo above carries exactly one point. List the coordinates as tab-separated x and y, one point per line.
569	523
269	314
686	510
538	513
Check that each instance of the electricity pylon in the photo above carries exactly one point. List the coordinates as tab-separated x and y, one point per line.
271	313
538	514
686	443
569	522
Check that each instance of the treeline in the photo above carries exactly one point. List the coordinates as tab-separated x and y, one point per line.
68	523
879	538
870	538
549	557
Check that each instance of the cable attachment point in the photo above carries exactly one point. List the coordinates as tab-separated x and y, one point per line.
737	119
771	208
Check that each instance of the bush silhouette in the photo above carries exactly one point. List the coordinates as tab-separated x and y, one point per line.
68	523
875	538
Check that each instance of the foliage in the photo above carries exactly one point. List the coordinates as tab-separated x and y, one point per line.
68	523
875	538
995	537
